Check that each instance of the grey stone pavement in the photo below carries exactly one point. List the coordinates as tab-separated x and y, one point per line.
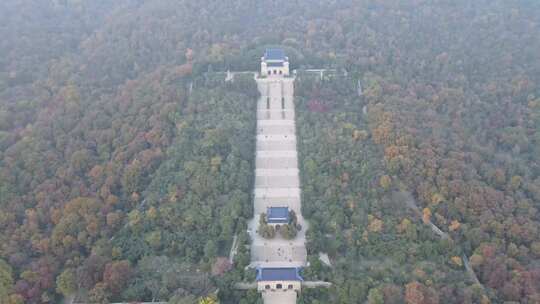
277	181
279	297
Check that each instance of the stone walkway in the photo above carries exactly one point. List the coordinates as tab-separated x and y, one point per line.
279	297
277	182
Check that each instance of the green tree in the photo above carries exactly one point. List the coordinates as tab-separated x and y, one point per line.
210	249
375	296
66	282
267	231
99	294
6	280
288	231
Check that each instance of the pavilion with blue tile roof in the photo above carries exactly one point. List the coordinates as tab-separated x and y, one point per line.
279	278
277	215
274	63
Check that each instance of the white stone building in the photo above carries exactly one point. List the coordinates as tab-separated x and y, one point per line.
274	63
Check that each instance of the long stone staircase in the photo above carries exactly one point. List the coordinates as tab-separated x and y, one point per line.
277	182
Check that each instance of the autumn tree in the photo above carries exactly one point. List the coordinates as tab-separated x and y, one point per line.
116	275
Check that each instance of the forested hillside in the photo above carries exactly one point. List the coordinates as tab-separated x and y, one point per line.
453	117
381	250
125	168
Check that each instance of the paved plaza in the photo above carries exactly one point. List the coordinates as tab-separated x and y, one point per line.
277	182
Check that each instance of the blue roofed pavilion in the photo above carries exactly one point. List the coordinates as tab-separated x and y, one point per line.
274	54
279	274
274	63
277	215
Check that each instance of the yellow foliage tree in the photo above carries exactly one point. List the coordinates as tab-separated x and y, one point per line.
209	300
215	162
419	274
375	224
385	182
360	135
173	196
535	249
72	96
391	152
413	293
457	261
135	197
134	218
515	182
437	198
426	215
402	227
484	300
365	235
152	213
116	252
499	176
454	225
476	260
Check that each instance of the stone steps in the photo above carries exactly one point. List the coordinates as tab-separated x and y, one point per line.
277	181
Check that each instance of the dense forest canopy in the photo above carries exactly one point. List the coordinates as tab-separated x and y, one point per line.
126	161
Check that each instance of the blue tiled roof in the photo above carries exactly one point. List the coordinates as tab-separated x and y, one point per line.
274	54
279	274
277	214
